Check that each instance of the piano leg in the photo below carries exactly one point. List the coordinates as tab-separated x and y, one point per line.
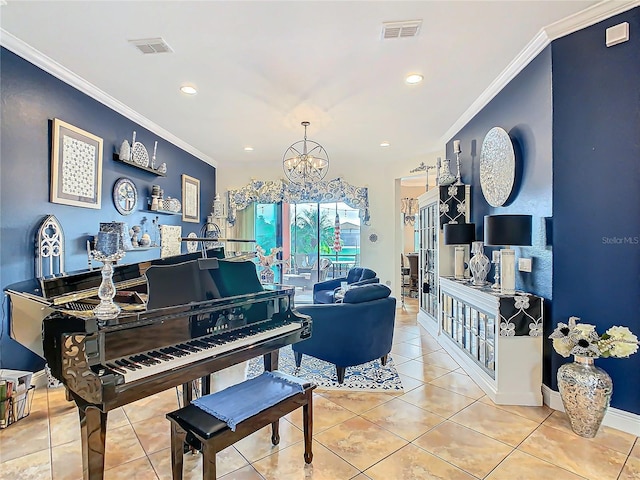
93	429
271	364
205	385
187	393
271	361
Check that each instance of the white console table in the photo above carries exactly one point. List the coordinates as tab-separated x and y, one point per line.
496	339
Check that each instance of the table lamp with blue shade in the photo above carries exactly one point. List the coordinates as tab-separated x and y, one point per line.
507	231
459	234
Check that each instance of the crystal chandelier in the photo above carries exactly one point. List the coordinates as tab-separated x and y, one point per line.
305	161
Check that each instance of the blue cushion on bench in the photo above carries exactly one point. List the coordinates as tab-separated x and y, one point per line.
243	400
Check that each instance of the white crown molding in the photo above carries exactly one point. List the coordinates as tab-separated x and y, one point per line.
614	418
49	65
545	36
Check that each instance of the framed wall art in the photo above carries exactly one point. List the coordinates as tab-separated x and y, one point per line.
190	199
76	166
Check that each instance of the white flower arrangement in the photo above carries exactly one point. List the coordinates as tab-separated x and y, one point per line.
267	260
581	339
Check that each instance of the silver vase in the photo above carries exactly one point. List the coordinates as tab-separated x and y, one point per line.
445	176
479	265
585	391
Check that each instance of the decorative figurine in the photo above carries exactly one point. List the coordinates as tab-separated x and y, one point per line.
125	151
135	232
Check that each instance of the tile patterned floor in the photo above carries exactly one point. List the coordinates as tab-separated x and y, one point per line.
441	427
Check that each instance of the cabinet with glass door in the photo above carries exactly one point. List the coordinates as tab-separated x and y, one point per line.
428	275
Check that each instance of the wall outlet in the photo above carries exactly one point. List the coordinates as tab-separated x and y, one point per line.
524	264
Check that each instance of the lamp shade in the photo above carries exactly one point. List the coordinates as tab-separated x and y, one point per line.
507	230
459	233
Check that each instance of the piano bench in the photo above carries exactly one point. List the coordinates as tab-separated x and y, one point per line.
209	434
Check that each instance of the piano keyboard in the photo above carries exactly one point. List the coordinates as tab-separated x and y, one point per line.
139	366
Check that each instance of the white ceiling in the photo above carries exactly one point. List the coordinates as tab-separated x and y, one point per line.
262	67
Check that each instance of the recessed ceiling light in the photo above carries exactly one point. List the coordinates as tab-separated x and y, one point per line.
414	78
248	149
188	89
385	144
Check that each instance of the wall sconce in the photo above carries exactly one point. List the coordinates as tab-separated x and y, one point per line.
507	230
409	209
459	234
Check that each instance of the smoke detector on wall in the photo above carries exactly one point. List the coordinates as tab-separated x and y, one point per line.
406	29
151	45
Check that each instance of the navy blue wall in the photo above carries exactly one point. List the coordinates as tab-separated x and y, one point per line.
523	109
596	189
31	98
573	115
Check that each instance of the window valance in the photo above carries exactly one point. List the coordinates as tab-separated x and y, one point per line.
336	190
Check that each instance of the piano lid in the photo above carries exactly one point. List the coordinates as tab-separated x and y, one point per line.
65	287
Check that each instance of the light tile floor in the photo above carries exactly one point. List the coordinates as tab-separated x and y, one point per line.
441	427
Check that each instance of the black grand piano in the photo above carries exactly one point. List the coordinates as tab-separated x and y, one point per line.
200	315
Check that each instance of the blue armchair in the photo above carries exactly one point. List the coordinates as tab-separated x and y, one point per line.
354	332
324	292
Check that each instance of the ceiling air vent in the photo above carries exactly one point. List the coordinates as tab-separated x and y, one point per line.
409	28
151	45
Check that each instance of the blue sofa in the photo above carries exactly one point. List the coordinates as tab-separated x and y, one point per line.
356	331
324	292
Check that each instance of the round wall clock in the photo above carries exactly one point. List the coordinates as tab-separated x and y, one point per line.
125	196
497	167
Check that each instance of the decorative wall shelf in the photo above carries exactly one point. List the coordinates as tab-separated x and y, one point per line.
116	157
164	212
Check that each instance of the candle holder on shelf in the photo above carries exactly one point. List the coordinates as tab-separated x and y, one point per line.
457	151
108	253
153	158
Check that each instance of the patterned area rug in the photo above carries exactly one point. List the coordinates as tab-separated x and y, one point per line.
368	377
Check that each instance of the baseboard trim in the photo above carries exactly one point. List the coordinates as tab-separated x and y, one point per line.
614	418
429	323
39	379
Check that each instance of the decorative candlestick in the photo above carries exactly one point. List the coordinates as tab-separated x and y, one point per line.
457	151
153	158
496	276
107	252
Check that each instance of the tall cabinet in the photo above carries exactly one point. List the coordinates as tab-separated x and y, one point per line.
428	236
438	206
